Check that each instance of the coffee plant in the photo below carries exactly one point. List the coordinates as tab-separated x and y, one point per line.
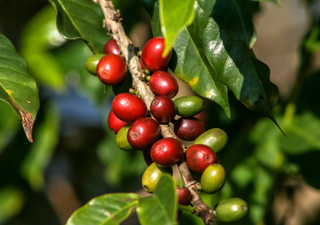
174	147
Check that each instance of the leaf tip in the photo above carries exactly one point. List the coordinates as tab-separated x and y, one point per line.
27	123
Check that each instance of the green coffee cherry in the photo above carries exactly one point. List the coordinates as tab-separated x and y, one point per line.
188	106
152	175
214	138
213	178
92	62
231	210
122	140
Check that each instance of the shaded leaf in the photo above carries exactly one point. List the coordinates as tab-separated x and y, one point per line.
235	64
39	36
161	207
107	209
303	134
174	16
18	88
81	19
11	203
235	18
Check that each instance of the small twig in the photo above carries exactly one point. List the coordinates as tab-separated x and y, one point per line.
129	52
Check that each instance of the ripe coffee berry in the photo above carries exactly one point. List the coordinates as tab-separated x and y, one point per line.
163	109
111	47
114	123
152	54
162	83
189	129
199	157
184	196
166	152
128	107
111	69
143	133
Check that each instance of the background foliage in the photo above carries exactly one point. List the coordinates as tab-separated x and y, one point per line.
75	158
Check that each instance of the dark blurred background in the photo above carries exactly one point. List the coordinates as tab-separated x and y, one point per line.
74	156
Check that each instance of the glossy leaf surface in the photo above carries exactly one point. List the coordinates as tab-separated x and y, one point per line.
235	65
161	207
17	87
109	209
174	16
235	18
81	19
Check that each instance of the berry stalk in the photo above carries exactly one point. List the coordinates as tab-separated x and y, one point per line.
129	52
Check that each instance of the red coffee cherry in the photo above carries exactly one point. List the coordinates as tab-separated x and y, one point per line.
162	83
189	129
199	157
128	107
143	133
166	152
151	55
163	109
111	47
111	69
184	195
114	123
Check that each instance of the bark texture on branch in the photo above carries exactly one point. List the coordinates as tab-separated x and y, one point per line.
129	52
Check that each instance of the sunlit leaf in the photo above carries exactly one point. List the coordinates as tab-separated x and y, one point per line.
109	209
174	16
17	87
81	19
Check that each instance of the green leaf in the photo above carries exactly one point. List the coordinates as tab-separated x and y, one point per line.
303	134
174	16
17	87
38	38
39	155
235	64
194	69
107	209
160	208
81	19
235	18
12	201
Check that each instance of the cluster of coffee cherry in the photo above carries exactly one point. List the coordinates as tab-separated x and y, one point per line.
139	129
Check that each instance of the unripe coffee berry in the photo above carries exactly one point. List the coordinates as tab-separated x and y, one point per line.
92	63
128	107
152	54
213	178
111	47
189	129
111	69
143	133
114	123
166	152
163	109
199	157
162	83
